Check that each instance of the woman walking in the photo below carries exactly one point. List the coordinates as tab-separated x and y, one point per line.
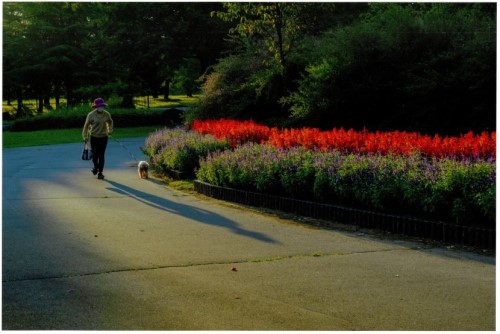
99	126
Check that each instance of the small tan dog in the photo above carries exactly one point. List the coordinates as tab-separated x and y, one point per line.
142	169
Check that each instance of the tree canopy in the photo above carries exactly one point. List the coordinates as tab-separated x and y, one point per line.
429	67
83	50
426	67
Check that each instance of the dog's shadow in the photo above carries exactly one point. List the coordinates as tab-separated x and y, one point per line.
193	213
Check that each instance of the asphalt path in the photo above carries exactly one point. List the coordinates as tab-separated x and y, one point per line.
130	254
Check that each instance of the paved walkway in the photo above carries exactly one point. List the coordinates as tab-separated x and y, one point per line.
125	254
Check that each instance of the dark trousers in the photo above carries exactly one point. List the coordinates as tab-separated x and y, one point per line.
98	146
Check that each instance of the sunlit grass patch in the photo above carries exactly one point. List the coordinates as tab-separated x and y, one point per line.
64	136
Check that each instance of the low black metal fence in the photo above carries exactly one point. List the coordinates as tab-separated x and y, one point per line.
411	226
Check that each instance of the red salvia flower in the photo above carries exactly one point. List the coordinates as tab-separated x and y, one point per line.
466	146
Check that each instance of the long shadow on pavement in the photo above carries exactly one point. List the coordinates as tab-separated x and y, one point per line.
193	213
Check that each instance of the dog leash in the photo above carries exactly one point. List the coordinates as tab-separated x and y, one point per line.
124	147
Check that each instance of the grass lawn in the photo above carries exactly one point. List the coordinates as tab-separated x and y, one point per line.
172	102
64	136
184	185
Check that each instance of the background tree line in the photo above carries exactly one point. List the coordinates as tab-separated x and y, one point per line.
84	50
429	67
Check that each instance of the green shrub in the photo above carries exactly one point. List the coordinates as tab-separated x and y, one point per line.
177	149
74	118
444	189
239	87
464	189
408	67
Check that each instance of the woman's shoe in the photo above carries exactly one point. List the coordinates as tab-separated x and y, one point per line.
100	176
94	171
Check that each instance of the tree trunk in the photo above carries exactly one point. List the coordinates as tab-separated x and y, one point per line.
279	34
189	87
128	101
166	89
46	103
204	61
70	99
20	107
57	93
281	52
40	105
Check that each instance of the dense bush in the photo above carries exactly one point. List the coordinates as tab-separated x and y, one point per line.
458	191
226	90
424	67
179	150
419	67
239	87
65	119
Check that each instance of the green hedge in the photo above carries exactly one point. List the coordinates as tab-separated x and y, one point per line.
76	118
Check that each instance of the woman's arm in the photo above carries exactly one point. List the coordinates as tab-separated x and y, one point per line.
110	124
85	130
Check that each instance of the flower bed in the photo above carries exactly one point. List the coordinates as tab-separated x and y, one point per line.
179	150
468	146
451	187
444	189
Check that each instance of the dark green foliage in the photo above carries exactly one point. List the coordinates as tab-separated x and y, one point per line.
76	118
250	82
45	50
86	50
428	68
239	87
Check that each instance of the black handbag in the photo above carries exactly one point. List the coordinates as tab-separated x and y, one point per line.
86	153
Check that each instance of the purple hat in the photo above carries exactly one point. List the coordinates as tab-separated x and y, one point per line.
98	103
